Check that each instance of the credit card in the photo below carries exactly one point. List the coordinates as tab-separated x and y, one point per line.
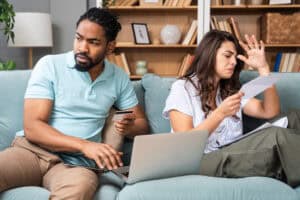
119	115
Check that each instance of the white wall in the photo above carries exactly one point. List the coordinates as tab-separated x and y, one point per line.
64	16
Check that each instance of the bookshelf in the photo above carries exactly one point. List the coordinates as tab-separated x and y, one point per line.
164	60
249	20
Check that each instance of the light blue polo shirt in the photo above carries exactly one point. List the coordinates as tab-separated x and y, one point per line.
80	106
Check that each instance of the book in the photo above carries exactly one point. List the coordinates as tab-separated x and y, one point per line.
125	63
221	25
167	2
285	62
185	65
180	3
282	61
228	26
277	62
194	38
129	2
174	3
119	61
187	3
215	22
296	67
181	66
189	35
235	27
226	2
237	2
291	62
212	24
215	2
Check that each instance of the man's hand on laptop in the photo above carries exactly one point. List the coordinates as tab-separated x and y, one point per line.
103	154
124	123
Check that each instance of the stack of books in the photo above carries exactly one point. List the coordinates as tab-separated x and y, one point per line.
185	64
287	62
230	25
125	2
191	35
177	3
120	60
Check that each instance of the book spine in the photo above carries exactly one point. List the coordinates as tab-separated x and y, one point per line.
277	62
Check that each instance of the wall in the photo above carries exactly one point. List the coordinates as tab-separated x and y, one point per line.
64	15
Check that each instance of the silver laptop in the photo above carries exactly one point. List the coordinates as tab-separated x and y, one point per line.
159	156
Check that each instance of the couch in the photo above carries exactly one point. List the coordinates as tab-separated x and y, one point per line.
152	91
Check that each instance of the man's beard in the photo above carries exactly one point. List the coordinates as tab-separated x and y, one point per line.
84	67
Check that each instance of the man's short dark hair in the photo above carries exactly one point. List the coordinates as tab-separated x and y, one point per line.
104	18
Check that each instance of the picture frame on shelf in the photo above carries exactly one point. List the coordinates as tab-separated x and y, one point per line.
140	33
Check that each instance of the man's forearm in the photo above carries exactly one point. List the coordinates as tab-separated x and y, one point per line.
42	134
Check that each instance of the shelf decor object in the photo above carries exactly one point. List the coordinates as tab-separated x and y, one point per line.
140	33
141	67
281	28
32	30
170	34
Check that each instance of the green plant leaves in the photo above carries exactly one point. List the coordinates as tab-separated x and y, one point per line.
8	65
7	20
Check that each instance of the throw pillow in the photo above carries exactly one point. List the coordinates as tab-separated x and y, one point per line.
156	91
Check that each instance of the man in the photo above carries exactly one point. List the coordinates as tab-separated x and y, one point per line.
66	103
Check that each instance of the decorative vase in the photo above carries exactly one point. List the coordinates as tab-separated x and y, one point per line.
141	67
170	34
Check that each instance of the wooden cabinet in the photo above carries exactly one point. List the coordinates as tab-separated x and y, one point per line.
249	20
161	59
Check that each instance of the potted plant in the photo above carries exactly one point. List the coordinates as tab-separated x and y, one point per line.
7	15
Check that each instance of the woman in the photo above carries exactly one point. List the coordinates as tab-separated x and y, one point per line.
207	97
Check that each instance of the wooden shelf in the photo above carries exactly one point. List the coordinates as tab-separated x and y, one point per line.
120	45
283	45
161	59
249	20
158	8
256	7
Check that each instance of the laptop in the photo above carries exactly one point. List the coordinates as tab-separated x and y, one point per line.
164	155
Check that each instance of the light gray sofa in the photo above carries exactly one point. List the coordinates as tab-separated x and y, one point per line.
152	92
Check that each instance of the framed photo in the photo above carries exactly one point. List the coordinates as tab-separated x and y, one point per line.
140	33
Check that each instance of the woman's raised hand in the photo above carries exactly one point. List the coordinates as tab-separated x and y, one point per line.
256	57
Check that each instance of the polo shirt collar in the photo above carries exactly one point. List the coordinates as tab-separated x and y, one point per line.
70	59
106	73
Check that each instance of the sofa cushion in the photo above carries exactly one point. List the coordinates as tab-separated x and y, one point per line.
298	191
208	188
156	91
139	91
12	90
29	192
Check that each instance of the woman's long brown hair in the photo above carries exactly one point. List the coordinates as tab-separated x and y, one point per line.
203	67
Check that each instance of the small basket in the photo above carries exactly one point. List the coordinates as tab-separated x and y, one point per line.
278	28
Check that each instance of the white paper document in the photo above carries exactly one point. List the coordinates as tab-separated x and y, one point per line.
282	122
258	85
